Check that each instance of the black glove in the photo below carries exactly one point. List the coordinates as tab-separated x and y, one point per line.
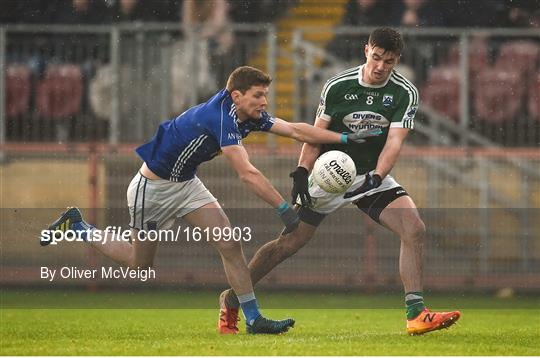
290	219
300	186
371	182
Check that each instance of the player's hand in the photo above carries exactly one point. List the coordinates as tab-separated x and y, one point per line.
289	217
359	137
300	186
371	182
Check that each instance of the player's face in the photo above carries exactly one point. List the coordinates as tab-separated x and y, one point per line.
252	103
379	65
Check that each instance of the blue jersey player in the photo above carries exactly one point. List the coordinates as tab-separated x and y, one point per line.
167	187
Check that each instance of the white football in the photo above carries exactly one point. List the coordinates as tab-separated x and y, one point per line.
334	172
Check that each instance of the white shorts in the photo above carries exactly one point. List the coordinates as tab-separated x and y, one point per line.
160	202
326	203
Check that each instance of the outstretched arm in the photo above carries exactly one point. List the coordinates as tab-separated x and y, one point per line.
306	133
310	152
238	158
260	185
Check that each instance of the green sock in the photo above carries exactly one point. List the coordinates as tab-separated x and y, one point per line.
415	304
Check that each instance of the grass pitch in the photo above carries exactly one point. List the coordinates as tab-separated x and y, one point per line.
488	326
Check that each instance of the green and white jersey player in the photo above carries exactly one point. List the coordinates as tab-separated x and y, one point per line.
349	104
353	102
362	99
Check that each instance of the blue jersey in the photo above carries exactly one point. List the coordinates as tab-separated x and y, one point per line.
196	136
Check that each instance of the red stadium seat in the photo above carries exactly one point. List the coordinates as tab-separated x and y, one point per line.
17	90
534	98
441	91
519	55
59	95
478	55
498	95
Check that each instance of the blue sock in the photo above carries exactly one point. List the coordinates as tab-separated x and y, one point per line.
250	308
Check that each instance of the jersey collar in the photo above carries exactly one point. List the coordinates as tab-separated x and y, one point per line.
362	83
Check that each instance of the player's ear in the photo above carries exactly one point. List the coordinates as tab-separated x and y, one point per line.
366	50
236	95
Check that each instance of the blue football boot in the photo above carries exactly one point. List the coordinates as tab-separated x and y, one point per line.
267	326
71	219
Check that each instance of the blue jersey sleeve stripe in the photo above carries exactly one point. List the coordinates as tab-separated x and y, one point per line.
221	130
191	153
186	154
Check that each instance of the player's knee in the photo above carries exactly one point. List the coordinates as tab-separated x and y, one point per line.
228	248
415	230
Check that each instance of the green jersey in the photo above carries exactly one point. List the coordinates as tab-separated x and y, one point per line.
350	105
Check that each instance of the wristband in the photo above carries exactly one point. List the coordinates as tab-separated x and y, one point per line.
282	207
344	138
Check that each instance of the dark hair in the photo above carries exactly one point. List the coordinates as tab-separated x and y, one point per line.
243	78
387	39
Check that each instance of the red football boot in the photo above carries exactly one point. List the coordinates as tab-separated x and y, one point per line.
428	321
228	317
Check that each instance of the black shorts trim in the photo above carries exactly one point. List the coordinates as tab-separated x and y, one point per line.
374	204
310	217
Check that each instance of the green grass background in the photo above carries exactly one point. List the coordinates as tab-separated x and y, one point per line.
327	324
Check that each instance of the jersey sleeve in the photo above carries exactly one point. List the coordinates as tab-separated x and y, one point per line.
407	108
323	109
225	129
265	122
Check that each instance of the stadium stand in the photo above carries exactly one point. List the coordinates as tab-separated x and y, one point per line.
59	95
18	86
323	15
534	98
441	90
478	55
432	55
520	54
498	94
423	13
